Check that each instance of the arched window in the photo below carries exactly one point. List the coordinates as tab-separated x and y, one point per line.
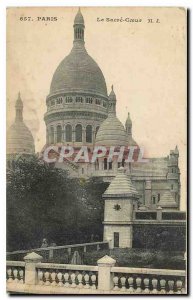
154	199
97	128
123	162
158	197
89	134
105	163
97	164
68	133
59	133
78	133
110	165
52	135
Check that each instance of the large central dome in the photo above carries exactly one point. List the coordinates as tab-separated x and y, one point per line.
77	102
78	72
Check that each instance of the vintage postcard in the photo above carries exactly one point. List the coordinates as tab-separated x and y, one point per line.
96	150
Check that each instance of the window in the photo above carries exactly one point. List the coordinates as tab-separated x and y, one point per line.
82	170
59	101
97	128
123	162
79	99
52	103
89	100
116	239
59	134
172	187
78	133
68	99
158	197
104	104
110	165
105	164
154	199
89	134
52	135
97	164
68	133
119	164
97	101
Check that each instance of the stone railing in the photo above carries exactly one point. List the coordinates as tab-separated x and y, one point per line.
34	277
15	272
50	252
148	281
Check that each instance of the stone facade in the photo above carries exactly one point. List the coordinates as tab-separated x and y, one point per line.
79	112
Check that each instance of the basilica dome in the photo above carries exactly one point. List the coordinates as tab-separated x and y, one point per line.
77	102
19	137
78	72
111	133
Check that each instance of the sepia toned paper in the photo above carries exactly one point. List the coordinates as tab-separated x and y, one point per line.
141	53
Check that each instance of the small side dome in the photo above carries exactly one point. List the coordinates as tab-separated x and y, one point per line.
111	133
167	201
19	137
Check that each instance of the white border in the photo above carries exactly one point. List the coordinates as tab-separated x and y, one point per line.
3	5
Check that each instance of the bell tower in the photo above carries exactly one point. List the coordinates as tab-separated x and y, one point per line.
79	27
112	102
19	109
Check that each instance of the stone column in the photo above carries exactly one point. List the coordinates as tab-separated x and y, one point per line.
55	135
30	267
73	135
83	135
93	137
100	164
115	165
159	213
64	134
105	277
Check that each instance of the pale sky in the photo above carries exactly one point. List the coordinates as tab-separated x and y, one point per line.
145	62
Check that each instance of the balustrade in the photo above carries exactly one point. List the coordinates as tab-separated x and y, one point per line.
48	277
132	284
15	274
67	278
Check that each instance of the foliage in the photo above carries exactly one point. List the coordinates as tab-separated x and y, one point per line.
43	202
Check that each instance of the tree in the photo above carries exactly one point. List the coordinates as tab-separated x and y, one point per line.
43	202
